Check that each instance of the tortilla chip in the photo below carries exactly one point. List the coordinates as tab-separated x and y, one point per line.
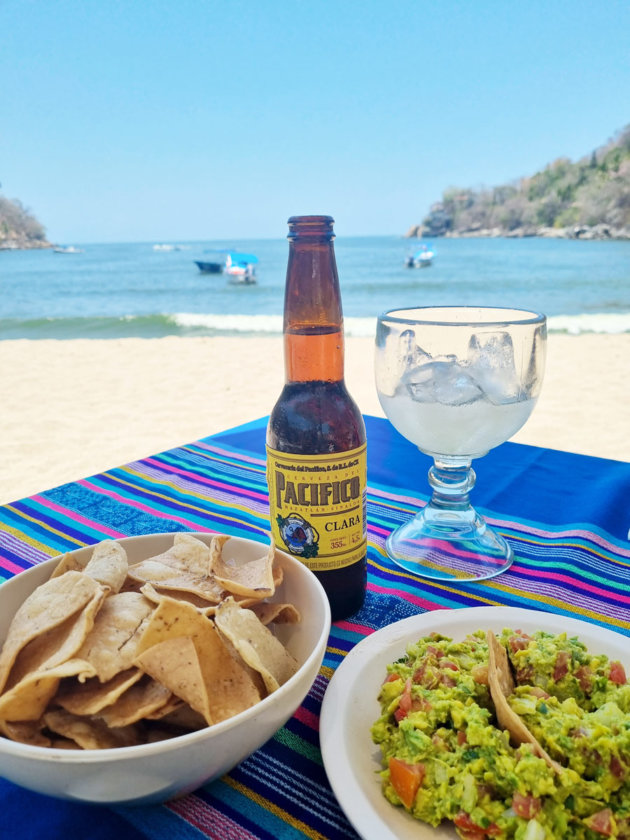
499	664
165	577
137	702
253	579
47	607
185	566
258	647
181	717
25	732
172	705
90	733
56	645
155	595
28	699
90	697
190	553
501	684
171	620
108	565
67	563
111	645
181	649
275	613
64	744
278	574
175	664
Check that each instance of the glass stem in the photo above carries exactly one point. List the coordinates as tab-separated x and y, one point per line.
451	485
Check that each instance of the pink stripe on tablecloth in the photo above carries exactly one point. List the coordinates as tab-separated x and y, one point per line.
308	718
353	627
199	479
77	517
564	536
561	578
406	596
230	454
207	819
10	566
194	526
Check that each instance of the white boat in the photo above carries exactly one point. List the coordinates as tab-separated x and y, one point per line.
241	276
421	259
67	249
240	268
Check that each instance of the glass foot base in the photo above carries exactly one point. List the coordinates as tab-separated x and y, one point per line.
444	546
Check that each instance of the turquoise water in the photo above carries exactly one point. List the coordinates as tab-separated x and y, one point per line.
112	291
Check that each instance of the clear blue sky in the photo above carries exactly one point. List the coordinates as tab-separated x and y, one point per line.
146	120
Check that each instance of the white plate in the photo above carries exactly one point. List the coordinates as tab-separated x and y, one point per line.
351	706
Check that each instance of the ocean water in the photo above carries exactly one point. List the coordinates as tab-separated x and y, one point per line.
113	291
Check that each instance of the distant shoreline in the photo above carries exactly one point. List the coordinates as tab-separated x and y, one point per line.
19	245
583	232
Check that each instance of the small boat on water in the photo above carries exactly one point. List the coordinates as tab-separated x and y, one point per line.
240	268
209	267
67	249
421	259
168	247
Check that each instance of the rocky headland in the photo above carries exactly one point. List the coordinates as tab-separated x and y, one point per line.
588	199
19	229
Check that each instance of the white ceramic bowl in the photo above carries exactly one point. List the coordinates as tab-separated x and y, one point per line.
160	771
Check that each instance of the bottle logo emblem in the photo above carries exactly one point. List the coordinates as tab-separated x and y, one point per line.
298	535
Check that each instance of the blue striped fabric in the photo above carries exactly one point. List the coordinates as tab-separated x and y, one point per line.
566	516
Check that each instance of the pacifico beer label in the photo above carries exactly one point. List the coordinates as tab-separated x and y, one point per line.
318	506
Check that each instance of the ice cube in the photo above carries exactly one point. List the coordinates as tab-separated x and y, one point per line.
413	370
534	374
454	386
419	382
409	353
442	382
491	365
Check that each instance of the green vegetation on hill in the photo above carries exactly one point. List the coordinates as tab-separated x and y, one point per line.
586	199
19	228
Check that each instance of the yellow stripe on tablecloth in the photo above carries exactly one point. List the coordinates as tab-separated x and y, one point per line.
25	538
552	542
183	495
547	601
268	805
390	571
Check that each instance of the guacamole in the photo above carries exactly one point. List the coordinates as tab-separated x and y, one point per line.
445	757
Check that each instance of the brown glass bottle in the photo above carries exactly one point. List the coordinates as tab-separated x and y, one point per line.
318	499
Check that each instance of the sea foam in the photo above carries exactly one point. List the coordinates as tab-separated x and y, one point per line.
214	323
600	322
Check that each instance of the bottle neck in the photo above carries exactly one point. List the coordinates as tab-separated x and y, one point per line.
313	319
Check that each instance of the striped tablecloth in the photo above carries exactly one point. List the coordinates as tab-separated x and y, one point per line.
567	517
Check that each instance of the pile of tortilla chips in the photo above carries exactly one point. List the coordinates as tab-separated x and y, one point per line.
112	654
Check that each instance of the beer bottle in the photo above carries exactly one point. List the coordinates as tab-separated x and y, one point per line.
316	450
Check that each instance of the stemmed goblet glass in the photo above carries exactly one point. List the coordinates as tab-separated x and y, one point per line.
456	381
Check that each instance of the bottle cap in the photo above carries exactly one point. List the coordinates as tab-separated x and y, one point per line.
316	226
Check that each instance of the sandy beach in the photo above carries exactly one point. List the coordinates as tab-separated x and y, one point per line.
75	408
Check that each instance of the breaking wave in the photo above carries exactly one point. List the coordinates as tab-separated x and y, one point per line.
214	324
